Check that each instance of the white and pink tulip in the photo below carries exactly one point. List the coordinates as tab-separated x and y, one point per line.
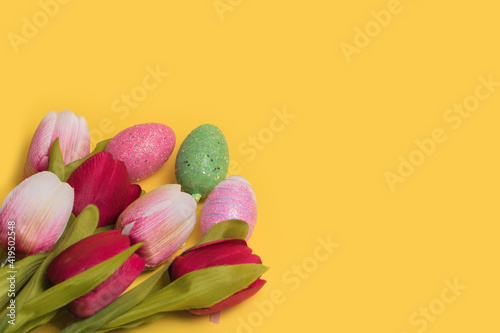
40	208
163	219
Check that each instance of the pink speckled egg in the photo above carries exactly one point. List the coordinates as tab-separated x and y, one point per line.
232	198
144	148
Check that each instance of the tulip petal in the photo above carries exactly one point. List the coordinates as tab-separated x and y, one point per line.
41	206
88	253
133	194
81	256
74	136
128	228
71	167
163	219
102	181
217	253
38	154
224	252
109	290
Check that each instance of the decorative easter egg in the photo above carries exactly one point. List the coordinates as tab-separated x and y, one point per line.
232	198
202	161
144	148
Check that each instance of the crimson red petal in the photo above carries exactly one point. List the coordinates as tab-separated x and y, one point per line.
217	253
224	252
134	193
102	181
215	242
86	254
109	290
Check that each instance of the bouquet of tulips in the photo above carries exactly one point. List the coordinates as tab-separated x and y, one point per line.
77	232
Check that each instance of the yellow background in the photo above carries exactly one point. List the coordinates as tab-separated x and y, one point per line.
322	174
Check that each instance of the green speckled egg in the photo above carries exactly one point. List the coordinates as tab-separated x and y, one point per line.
202	161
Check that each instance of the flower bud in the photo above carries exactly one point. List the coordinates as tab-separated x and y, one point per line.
218	253
74	139
86	254
163	219
35	214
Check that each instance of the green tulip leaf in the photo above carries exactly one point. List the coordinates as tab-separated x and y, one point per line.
80	228
56	162
225	230
28	327
68	169
77	229
136	323
198	289
76	286
122	304
105	228
24	270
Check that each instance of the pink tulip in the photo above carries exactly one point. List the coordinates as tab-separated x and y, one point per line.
163	219
218	253
74	139
84	255
40	207
104	182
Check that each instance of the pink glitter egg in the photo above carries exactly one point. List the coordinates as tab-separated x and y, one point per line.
232	198
144	148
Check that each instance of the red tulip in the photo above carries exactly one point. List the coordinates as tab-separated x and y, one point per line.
218	253
104	182
84	255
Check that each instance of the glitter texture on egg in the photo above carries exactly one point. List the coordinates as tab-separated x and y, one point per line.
233	198
144	148
202	161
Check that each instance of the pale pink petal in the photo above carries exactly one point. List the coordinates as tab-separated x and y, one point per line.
73	134
38	154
